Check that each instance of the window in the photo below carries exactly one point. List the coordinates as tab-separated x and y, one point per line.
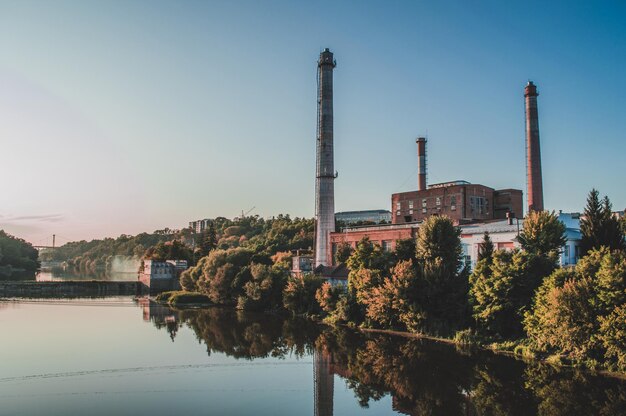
453	200
398	206
386	245
424	203
566	254
411	211
410	204
423	210
398	213
438	201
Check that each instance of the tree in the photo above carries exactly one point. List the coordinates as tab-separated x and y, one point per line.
441	281
344	250
169	250
16	255
299	294
368	255
598	225
394	303
221	275
208	240
486	248
405	249
543	234
580	313
501	291
438	247
264	290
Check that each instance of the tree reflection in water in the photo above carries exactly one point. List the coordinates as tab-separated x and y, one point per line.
423	377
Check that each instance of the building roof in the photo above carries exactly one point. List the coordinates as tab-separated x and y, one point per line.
339	272
492	227
367	211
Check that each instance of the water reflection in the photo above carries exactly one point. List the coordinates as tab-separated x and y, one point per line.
47	274
422	377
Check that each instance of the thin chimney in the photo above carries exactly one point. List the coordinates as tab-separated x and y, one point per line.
421	163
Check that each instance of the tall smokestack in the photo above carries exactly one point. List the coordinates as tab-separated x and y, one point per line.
534	191
325	170
421	163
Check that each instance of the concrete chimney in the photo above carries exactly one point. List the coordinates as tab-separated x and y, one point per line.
534	184
325	170
421	163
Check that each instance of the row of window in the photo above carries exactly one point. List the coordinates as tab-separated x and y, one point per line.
424	202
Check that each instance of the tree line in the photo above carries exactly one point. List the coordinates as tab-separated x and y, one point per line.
517	299
16	256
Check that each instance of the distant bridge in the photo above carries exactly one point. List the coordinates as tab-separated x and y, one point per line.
44	243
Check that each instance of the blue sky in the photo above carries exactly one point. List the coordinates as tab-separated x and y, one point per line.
128	116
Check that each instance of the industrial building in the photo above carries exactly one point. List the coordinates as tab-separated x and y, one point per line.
475	208
460	200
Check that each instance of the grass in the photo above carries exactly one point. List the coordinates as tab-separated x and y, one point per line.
182	298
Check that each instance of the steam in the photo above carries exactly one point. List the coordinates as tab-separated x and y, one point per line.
125	264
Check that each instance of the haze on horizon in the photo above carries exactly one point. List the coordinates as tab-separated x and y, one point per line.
123	117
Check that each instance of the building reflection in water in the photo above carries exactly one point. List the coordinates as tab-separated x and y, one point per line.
160	315
324	383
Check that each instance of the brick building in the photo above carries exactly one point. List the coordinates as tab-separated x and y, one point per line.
460	200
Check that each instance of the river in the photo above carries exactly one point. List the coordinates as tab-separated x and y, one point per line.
134	357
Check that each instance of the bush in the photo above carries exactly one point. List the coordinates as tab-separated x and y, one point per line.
612	334
182	298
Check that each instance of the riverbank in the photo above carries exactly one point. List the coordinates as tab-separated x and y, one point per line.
493	347
514	349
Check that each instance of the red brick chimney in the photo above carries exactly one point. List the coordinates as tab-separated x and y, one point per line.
534	192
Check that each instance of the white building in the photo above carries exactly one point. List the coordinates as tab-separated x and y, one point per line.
504	234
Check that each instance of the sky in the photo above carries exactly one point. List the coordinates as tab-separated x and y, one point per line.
120	117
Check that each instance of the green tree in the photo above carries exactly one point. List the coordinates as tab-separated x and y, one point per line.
299	294
543	234
208	240
486	248
264	290
501	291
368	255
344	250
16	255
576	313
169	250
405	249
598	225
442	283
221	275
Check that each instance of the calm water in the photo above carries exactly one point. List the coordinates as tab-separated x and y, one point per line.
58	273
125	357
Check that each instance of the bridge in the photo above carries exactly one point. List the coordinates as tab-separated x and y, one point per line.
46	244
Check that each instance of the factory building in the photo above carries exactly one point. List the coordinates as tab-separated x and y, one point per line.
475	208
460	200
